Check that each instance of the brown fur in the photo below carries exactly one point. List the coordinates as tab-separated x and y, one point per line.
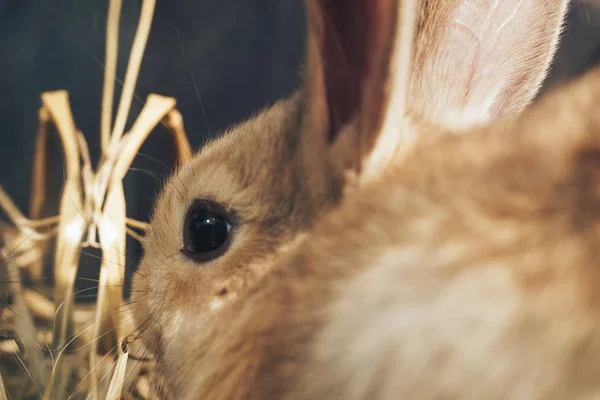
222	331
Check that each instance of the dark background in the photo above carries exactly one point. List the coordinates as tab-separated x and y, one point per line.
221	59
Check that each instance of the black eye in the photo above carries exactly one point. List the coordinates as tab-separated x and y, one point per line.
206	231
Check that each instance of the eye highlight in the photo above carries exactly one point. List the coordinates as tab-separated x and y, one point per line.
206	231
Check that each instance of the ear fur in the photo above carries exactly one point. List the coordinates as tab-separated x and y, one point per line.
451	63
479	59
473	60
350	44
344	51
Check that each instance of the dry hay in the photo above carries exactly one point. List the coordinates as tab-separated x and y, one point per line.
50	346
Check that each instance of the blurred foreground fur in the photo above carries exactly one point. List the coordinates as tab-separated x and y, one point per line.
52	347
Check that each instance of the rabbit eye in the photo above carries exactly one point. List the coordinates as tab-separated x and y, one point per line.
206	231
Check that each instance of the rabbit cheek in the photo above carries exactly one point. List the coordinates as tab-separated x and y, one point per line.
225	293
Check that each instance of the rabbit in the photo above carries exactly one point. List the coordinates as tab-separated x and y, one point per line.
237	233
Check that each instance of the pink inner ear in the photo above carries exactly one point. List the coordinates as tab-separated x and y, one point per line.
354	32
490	59
477	29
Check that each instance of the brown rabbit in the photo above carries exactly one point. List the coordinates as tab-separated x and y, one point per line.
225	220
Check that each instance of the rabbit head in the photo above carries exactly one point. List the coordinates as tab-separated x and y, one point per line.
375	79
223	218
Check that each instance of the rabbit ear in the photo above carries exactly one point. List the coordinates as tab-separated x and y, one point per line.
478	59
349	52
343	40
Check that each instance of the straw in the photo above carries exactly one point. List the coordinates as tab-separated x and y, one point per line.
91	212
